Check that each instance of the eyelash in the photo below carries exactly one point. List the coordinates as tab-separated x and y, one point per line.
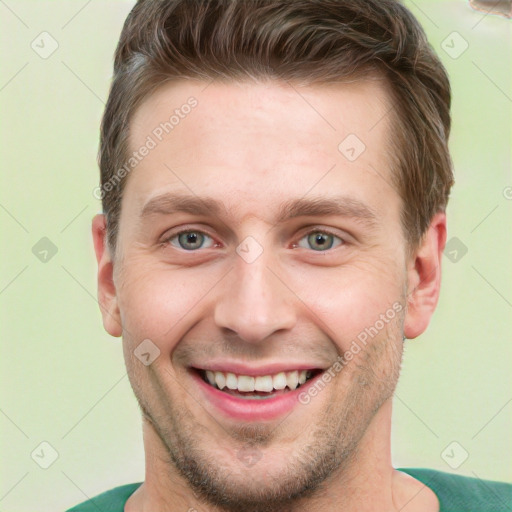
168	239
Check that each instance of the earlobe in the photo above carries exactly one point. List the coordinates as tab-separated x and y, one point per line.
424	278
107	297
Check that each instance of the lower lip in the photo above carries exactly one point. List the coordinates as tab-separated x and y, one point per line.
252	410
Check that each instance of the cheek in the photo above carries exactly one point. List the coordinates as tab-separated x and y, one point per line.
351	299
157	303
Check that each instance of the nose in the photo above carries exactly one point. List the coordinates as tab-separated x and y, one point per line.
255	301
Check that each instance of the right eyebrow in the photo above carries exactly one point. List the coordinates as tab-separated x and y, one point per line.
169	203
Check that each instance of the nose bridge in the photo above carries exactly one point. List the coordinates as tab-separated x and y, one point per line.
254	302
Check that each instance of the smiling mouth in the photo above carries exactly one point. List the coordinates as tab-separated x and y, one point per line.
260	387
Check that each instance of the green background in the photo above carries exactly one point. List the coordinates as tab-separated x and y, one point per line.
63	377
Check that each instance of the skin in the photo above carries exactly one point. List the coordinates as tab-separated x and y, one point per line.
253	146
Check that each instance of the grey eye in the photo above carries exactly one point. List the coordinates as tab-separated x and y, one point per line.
319	240
189	240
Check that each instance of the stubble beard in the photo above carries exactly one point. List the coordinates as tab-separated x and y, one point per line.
329	451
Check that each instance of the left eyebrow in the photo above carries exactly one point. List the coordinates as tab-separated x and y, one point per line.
340	206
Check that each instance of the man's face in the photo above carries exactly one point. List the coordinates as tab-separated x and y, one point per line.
252	291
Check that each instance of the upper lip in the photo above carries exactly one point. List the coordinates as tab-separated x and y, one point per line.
266	369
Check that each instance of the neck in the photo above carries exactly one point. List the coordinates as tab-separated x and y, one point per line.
367	484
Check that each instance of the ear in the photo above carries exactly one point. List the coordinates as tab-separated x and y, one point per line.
424	277
107	297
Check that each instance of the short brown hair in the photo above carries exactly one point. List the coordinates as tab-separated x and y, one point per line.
303	41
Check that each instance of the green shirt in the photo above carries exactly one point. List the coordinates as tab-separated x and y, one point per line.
455	493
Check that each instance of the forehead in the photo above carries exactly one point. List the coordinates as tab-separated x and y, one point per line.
262	142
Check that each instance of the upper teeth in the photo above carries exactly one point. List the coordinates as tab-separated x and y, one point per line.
261	383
